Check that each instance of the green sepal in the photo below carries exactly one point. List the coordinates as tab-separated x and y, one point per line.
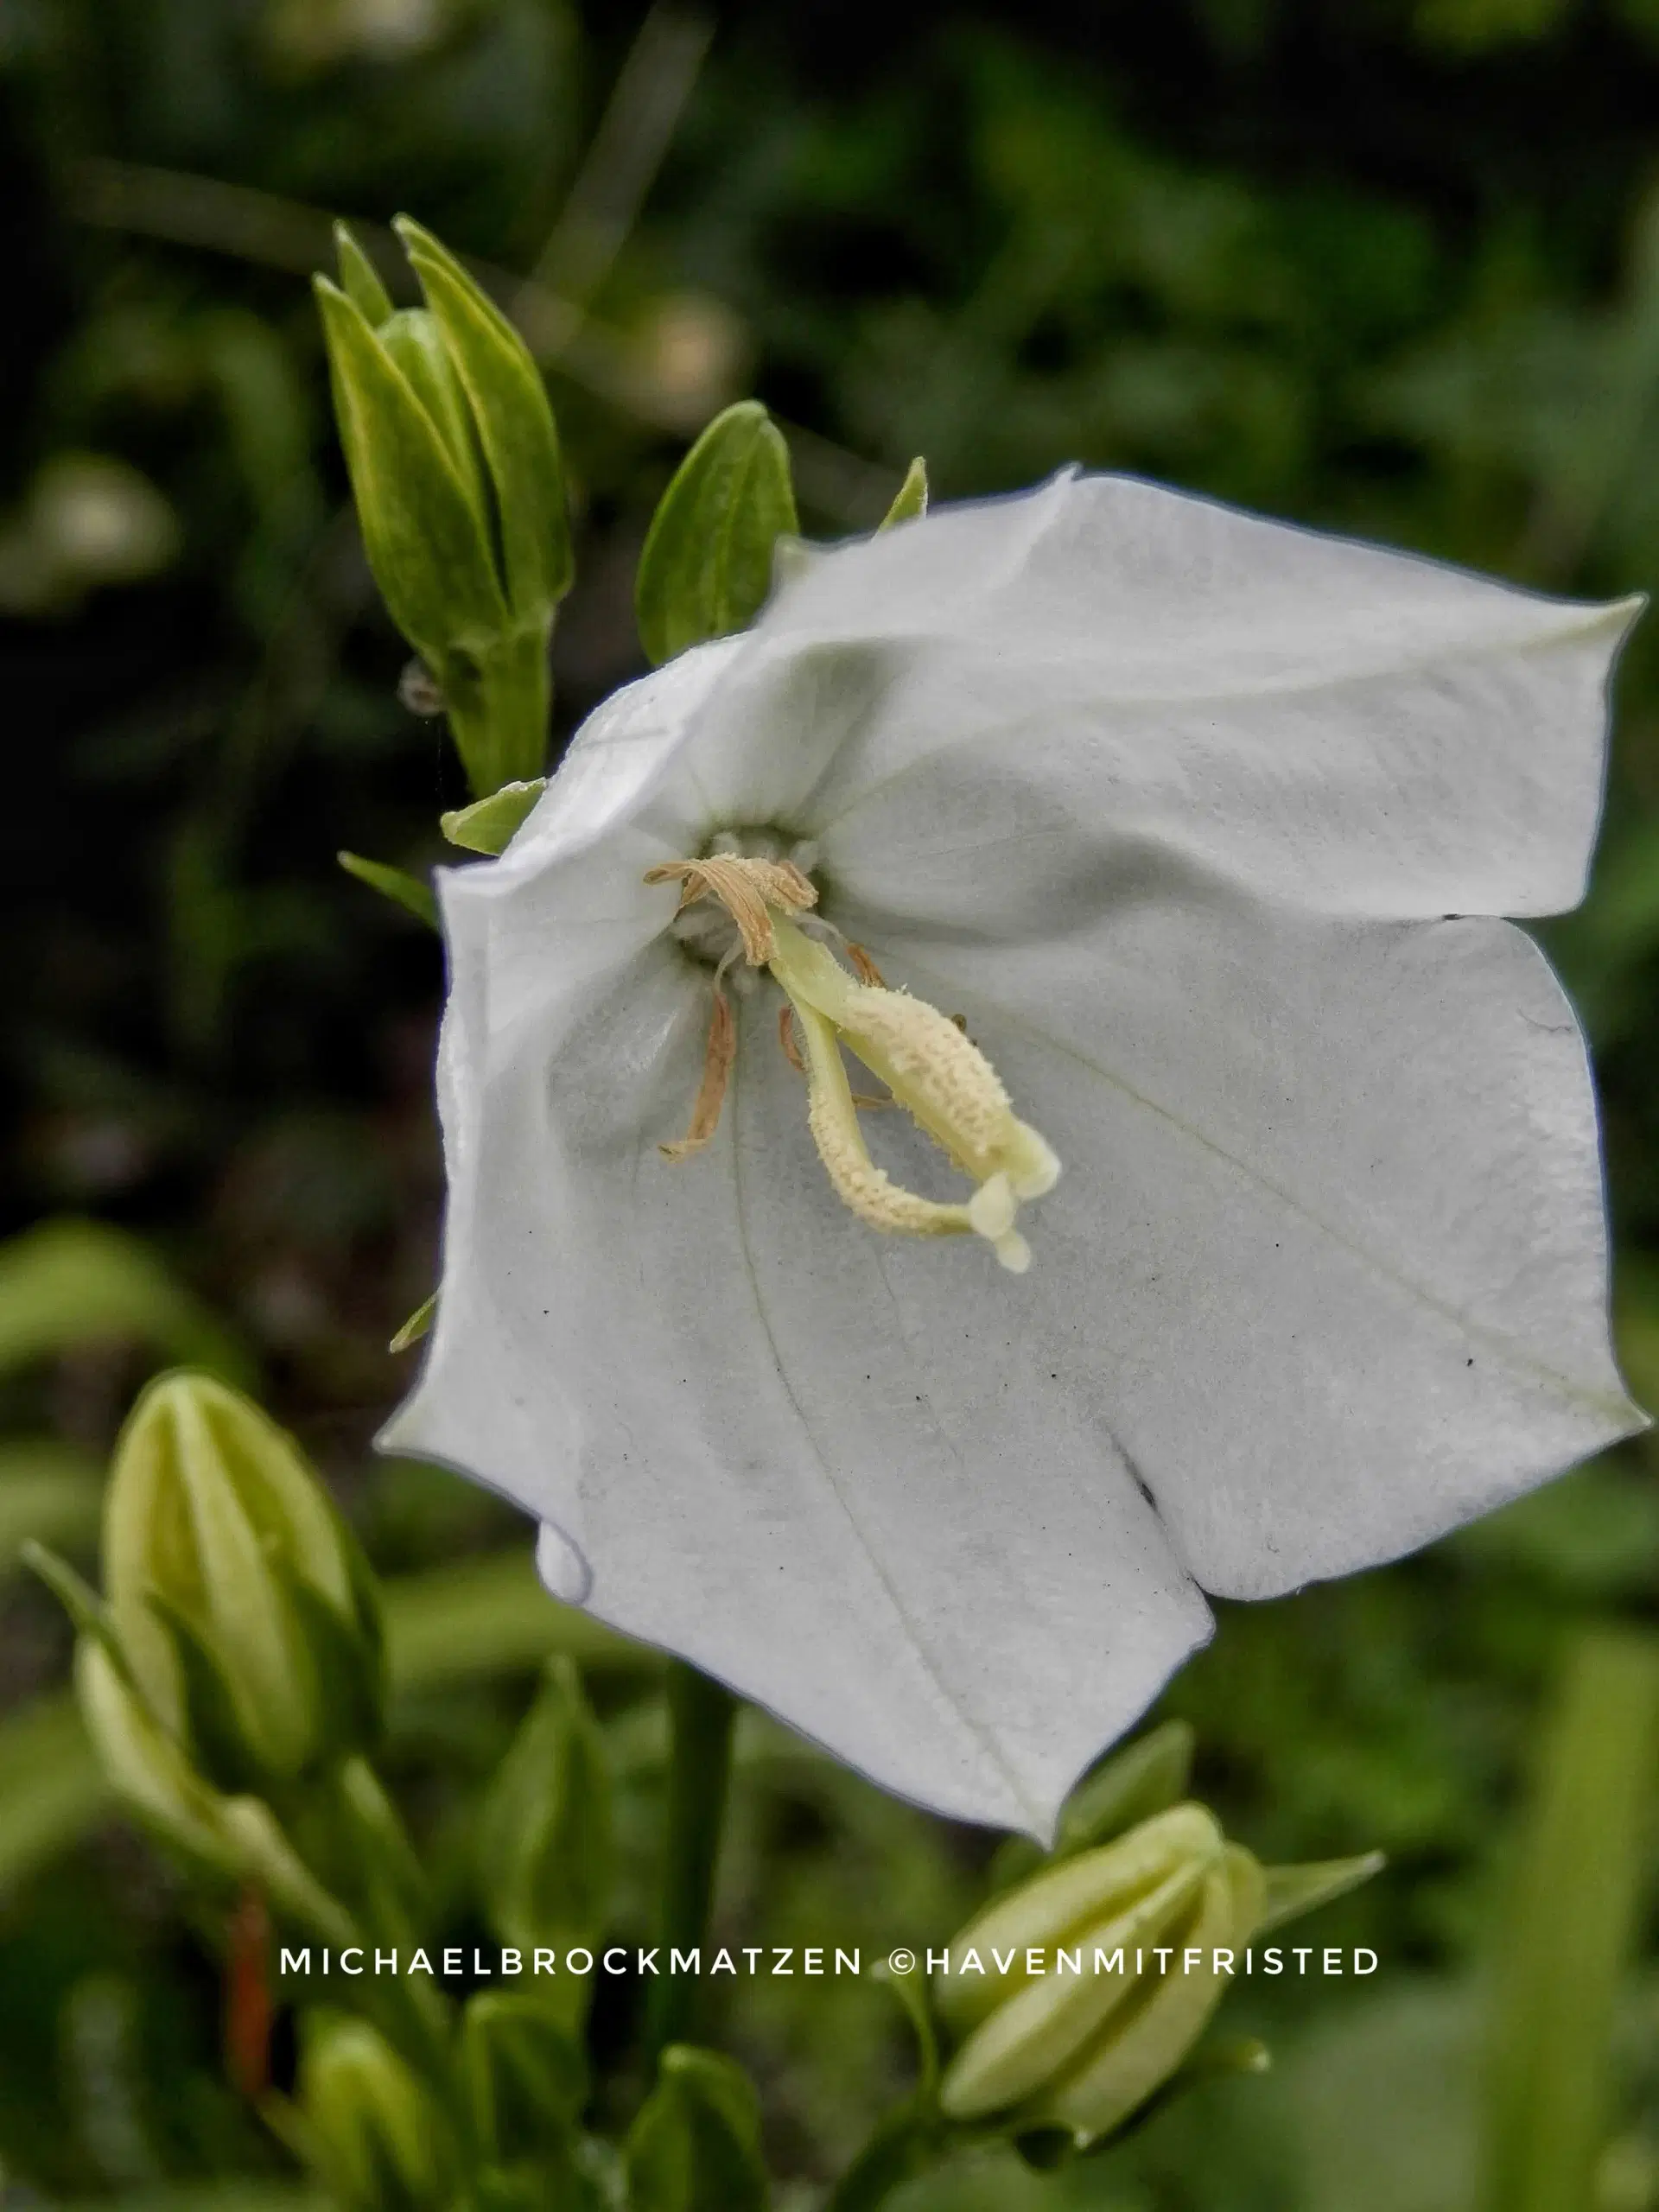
394	883
909	502
696	2144
515	425
912	1993
349	1660
419	1322
489	825
426	540
706	567
74	1592
525	2075
415	342
1293	1890
360	280
218	1747
1147	1777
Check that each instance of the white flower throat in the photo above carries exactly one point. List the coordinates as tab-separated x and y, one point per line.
938	1075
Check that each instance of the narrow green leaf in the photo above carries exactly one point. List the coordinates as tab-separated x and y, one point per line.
394	883
425	539
360	280
1293	1890
489	825
911	502
707	566
419	1322
71	1282
1570	1931
515	425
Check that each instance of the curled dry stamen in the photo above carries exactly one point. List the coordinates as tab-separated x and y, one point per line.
746	889
711	1092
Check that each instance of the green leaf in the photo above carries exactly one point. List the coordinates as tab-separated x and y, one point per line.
910	504
1293	1891
426	540
70	1282
707	565
489	825
696	2144
360	280
515	425
1572	1927
394	883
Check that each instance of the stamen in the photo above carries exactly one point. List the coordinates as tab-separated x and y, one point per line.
711	1092
746	889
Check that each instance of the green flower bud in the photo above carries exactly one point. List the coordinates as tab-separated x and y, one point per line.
454	464
236	1840
707	566
526	2076
544	1830
368	2123
237	1597
146	1767
695	2146
1063	2012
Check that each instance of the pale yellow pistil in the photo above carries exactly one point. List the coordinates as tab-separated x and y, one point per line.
937	1074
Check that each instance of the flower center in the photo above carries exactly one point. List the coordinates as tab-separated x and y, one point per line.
943	1079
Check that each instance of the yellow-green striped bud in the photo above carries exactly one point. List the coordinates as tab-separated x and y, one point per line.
238	1601
1071	1999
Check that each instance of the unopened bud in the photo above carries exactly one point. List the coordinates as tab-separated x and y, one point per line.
544	1829
370	2126
695	2146
1090	2021
237	1595
1078	1994
454	464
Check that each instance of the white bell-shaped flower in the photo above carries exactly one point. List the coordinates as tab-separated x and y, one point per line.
1196	825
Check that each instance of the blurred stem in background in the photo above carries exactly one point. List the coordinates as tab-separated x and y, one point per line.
701	1714
1568	1940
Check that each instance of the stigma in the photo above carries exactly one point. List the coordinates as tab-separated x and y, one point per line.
931	1068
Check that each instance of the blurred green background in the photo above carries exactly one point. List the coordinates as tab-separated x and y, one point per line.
1389	265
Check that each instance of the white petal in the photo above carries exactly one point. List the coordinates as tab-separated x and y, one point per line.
993	696
867	1512
1327	1255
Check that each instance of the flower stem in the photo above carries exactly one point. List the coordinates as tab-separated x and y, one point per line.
700	1714
498	702
904	2142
